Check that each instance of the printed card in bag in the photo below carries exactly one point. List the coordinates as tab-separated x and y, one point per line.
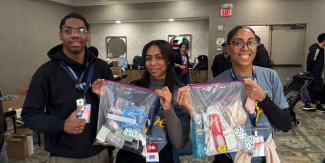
259	150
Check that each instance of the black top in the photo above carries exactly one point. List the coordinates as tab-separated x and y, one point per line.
315	65
262	57
220	64
3	127
52	88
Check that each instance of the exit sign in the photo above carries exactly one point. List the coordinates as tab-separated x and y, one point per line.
225	12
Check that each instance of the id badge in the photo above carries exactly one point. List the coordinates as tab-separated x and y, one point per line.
152	153
85	113
81	102
259	150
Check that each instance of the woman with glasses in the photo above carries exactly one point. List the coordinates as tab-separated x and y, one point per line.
221	62
261	85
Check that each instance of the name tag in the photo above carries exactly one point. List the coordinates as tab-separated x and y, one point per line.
152	153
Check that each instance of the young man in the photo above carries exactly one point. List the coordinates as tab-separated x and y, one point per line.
315	65
56	87
262	56
221	62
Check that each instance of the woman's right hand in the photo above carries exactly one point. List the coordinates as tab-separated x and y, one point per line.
183	99
97	85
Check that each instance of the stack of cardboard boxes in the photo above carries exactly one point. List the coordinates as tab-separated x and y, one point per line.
20	145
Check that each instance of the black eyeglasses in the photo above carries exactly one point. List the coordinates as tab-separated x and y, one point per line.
80	32
239	45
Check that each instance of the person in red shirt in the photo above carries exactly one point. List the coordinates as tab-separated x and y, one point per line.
181	65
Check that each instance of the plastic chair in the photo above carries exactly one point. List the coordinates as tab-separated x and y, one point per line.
186	151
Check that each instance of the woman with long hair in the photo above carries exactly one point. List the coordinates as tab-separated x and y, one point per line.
171	125
261	85
182	64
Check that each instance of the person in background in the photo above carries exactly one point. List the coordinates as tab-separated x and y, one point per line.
185	42
315	65
182	63
94	50
56	87
221	62
158	58
3	129
175	46
261	85
262	58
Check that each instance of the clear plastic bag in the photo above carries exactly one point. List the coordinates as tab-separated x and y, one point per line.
220	122
123	112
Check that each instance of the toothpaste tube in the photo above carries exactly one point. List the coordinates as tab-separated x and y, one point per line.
217	133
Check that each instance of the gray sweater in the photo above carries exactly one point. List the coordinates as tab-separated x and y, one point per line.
177	134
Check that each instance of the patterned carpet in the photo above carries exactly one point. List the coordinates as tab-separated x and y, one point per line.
303	144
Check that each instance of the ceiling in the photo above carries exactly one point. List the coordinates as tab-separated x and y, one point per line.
106	2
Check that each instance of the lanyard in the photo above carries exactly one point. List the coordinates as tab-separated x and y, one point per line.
234	78
151	120
75	77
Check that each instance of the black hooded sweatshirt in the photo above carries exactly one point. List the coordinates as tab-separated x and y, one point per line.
53	89
315	61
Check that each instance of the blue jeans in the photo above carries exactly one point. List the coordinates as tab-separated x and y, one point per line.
184	78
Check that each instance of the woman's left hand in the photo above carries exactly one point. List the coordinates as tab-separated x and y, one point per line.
253	90
165	97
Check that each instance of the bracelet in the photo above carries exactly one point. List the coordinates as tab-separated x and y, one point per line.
263	97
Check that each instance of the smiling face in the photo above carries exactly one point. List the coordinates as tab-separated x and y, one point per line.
245	56
75	42
155	62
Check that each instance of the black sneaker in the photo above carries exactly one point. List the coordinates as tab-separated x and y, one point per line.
307	107
320	108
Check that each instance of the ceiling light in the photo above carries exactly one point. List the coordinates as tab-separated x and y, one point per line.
117	21
171	20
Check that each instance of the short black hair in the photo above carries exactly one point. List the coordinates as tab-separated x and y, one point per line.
321	37
235	30
225	43
74	15
94	50
258	39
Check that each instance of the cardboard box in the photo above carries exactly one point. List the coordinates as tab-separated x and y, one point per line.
115	63
14	104
29	133
35	138
118	71
17	147
24	131
22	91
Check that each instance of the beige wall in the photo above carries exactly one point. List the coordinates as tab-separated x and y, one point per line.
146	11
138	34
246	12
28	29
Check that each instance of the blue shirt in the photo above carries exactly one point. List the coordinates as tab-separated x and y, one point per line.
269	81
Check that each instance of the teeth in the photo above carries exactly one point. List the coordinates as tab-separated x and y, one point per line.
244	56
